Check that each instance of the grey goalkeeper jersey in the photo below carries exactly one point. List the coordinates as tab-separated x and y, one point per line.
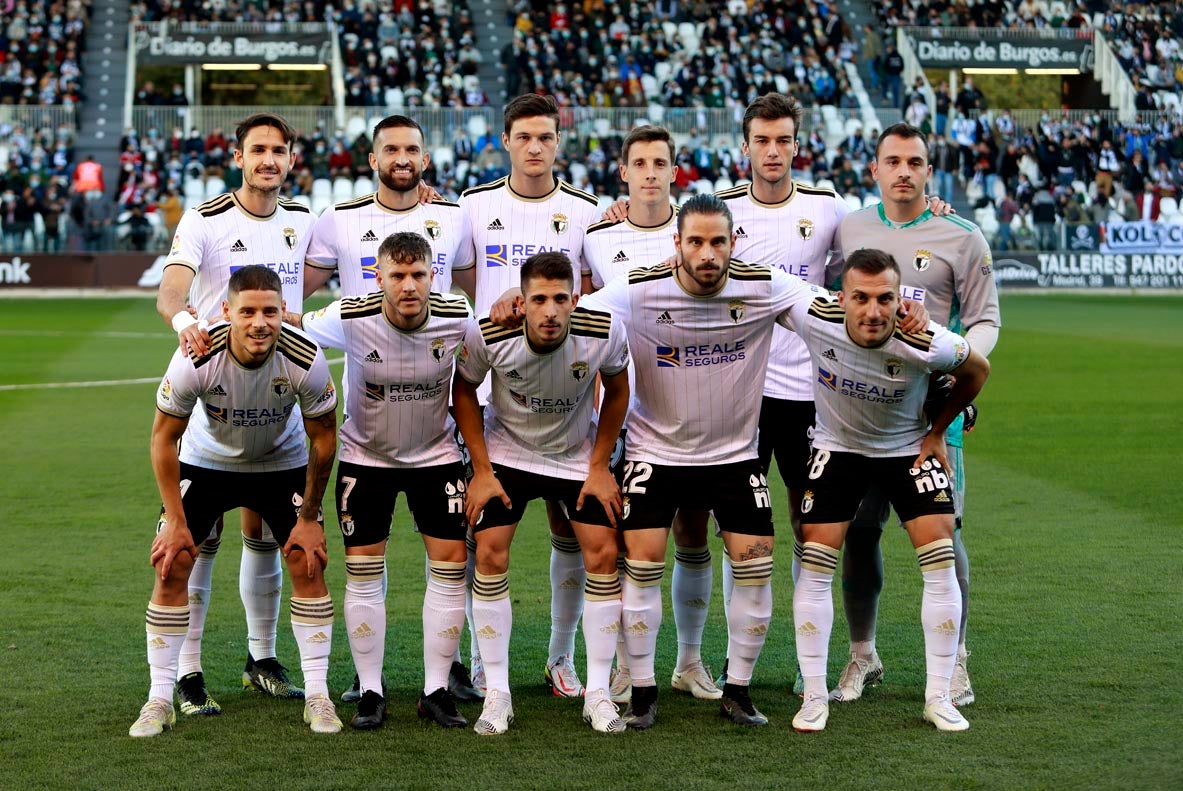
944	263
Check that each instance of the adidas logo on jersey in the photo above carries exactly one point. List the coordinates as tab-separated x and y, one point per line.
665	318
370	236
217	391
513	374
829	355
238	246
374	357
739	234
496	225
620	258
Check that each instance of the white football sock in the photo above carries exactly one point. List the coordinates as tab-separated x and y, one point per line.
601	625
443	622
748	618
200	579
813	614
165	627
365	617
641	617
940	615
567	578
493	617
312	624
690	593
260	581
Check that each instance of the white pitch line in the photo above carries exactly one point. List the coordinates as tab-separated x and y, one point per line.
102	382
83	334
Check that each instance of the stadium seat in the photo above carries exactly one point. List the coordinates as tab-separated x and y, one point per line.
604	202
320	203
578	172
363	186
649	84
824	184
804	179
871	200
342	190
688	34
1079	186
443	155
704	186
656	114
303	200
355	127
395	97
723	183
322	188
193	201
195	188
988	223
851	126
671	30
214	186
478	127
1000	191
782	83
664	69
853	201
603	127
1168	210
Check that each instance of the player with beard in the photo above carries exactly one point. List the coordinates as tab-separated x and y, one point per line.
347	237
251	225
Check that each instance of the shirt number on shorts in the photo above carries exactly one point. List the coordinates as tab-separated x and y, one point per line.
817	465
635	474
349	484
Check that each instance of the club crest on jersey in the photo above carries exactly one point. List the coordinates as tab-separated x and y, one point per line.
280	386
432	229
805	228
438	349
559	223
579	370
894	366
289	238
921	260
735	309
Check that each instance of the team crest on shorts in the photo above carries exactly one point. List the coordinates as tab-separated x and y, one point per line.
805	228
625	508
289	238
807	502
579	370
559	223
438	349
735	309
921	260
280	386
432	229
894	366
347	526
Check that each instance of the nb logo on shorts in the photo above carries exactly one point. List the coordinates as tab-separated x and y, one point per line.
759	486
455	495
929	477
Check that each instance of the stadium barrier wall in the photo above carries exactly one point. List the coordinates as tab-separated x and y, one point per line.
79	270
1081	271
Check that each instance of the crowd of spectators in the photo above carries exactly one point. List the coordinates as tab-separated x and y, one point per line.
35	184
677	54
41	46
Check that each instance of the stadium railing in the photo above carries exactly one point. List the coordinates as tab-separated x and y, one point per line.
33	117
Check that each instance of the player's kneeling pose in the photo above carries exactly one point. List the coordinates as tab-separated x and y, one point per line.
231	408
870	387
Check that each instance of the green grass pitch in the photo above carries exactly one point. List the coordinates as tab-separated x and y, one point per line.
1073	528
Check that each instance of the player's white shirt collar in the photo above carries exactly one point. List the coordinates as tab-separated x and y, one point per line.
752	196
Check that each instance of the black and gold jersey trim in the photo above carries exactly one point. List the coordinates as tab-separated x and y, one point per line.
292	205
808	190
827	310
495	333
917	340
442	202
601	225
297	347
447	306
356	203
492	185
734	192
743	271
648	273
219	341
578	193
360	307
591	323
215	206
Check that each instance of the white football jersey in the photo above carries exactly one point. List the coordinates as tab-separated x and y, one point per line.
397	382
346	238
798	235
611	249
506	229
699	360
871	401
541	416
248	419
220	237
